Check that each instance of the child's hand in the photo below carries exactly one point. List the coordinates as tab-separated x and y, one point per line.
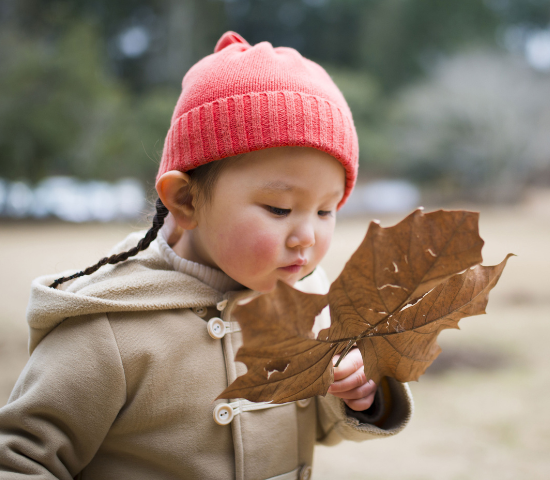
350	383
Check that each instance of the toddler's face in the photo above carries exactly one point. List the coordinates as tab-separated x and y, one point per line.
271	216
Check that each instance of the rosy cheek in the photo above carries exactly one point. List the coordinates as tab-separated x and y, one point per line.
248	250
323	244
263	251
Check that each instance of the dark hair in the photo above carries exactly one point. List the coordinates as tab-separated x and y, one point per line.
202	187
204	178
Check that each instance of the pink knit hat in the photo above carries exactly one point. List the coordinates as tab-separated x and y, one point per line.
244	98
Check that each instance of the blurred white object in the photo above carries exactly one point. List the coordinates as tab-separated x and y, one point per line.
134	41
382	196
130	198
19	199
537	50
3	194
72	200
60	197
102	201
390	196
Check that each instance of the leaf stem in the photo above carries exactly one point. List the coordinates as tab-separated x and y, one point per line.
345	352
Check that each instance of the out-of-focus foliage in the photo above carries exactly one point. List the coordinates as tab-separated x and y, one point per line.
62	113
401	37
369	107
479	124
87	87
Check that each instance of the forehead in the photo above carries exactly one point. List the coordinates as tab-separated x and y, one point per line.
287	169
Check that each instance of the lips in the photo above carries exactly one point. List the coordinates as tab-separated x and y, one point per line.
291	268
295	267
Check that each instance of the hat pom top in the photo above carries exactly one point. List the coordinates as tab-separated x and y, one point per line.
229	38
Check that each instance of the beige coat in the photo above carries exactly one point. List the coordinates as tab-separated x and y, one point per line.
122	377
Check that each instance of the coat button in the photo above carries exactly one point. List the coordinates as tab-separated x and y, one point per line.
305	473
200	311
304	402
216	328
223	414
221	305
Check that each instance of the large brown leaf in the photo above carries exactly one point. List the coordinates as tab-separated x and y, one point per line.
283	359
404	344
402	286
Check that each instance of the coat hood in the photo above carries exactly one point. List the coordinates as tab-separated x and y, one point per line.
143	282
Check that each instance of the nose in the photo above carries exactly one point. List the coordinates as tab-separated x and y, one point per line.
302	236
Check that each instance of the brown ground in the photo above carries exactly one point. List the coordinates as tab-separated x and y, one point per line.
482	411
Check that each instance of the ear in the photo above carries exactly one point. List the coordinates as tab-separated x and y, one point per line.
174	189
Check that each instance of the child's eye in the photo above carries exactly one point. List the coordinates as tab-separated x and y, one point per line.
324	213
280	212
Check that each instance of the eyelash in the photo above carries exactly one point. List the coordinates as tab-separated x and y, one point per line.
280	212
283	212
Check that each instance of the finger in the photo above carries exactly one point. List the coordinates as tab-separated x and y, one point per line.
356	379
351	363
360	404
363	391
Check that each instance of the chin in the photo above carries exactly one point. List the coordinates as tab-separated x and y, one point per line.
269	285
258	285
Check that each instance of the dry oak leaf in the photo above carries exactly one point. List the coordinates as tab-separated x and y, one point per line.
402	286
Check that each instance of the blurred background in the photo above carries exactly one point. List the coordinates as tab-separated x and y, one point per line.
452	105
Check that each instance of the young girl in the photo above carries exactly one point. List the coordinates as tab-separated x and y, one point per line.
127	360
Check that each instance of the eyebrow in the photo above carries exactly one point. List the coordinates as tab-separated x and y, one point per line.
277	185
281	186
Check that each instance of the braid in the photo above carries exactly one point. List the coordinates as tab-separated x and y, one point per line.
143	244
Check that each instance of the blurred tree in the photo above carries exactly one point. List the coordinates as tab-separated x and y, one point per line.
370	112
391	39
479	125
88	86
400	38
61	113
48	96
147	41
535	13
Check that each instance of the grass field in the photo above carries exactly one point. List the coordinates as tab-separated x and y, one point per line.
481	410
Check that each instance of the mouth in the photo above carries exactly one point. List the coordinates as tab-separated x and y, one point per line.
291	268
295	267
